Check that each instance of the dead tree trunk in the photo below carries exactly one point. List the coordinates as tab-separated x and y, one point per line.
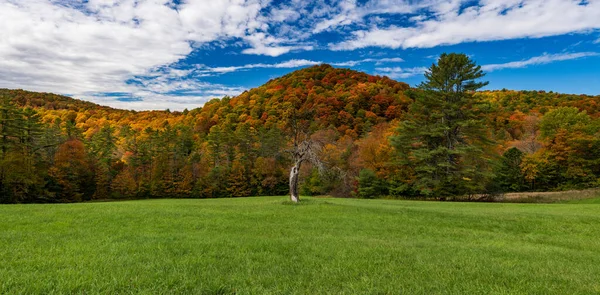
304	148
307	150
294	175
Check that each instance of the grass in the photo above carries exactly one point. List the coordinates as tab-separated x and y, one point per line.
268	246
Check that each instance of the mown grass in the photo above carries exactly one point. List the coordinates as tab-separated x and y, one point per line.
584	201
268	246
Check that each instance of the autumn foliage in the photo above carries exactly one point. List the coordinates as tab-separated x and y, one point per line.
69	150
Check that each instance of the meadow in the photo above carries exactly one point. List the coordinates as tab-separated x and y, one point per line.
322	246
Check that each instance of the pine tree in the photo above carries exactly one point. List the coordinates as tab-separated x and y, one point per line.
442	138
10	119
27	178
369	186
103	148
508	174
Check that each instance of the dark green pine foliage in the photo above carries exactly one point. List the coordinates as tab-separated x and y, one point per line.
369	185
103	147
443	136
26	171
9	134
508	174
21	154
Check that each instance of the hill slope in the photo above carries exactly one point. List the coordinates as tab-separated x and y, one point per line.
48	101
70	150
343	99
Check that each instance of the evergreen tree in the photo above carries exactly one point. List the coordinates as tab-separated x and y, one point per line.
369	185
10	119
508	176
103	148
442	139
27	177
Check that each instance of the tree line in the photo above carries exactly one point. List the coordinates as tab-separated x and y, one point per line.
322	130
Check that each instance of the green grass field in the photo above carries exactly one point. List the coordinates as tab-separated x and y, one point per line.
267	246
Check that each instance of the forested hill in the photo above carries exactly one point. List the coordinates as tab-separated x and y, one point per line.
348	101
49	101
342	99
56	149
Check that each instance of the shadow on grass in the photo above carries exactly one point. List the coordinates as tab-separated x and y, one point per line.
306	202
218	290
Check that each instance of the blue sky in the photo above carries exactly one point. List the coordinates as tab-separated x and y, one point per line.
158	54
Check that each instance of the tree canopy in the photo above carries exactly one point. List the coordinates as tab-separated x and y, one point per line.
442	138
447	138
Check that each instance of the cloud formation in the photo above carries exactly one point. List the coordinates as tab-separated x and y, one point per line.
99	46
400	73
115	51
293	63
490	20
538	60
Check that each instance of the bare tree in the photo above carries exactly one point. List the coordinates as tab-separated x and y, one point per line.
304	148
305	151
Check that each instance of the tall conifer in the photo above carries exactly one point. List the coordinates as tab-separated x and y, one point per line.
442	139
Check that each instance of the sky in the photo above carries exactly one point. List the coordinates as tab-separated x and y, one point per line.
178	54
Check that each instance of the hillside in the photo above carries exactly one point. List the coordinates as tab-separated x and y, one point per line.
48	101
346	100
144	153
71	150
342	98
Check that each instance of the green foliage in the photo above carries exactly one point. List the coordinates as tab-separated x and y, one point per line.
508	174
567	118
240	146
443	138
369	185
313	184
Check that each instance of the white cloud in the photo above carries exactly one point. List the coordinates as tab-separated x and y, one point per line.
400	73
153	101
491	20
94	47
86	48
161	88
348	12
208	20
383	60
265	44
44	45
293	63
538	60
284	15
377	61
273	51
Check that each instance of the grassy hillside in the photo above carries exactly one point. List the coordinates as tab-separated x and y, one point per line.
263	245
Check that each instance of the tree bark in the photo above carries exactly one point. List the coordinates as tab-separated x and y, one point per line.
294	174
